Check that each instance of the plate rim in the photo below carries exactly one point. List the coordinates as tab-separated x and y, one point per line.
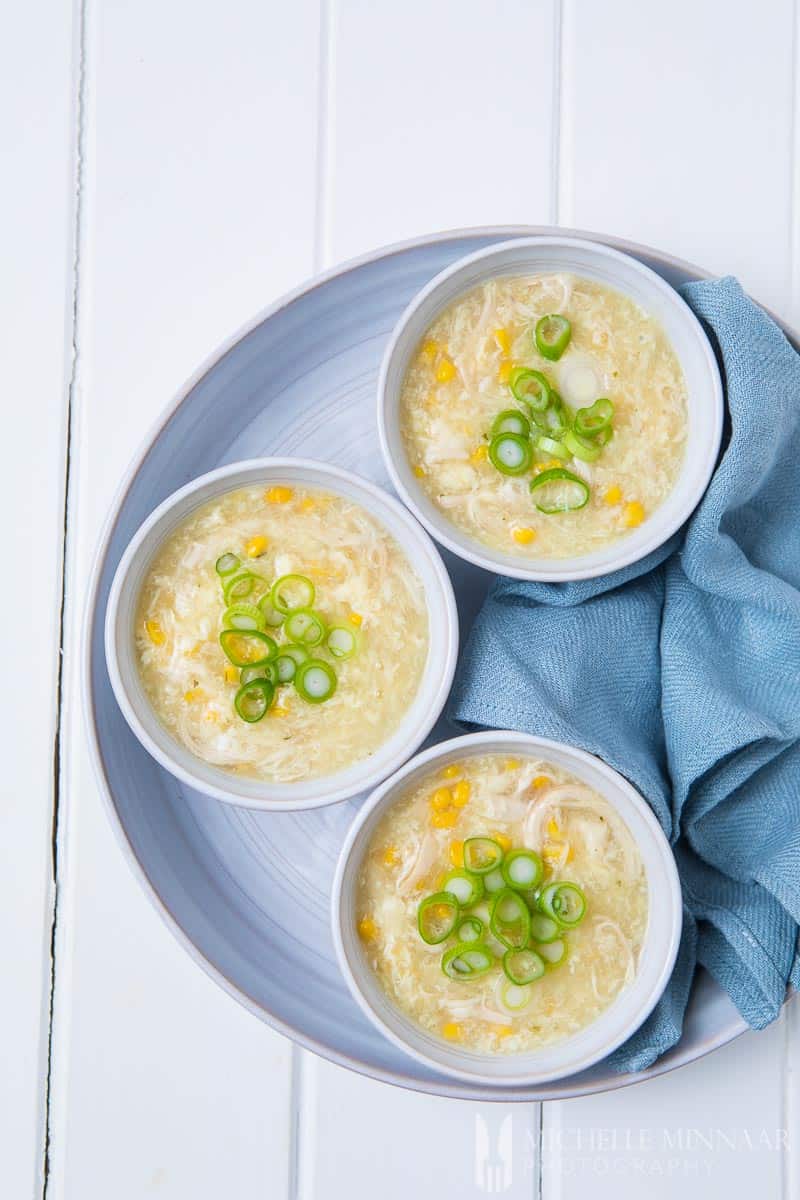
443	1087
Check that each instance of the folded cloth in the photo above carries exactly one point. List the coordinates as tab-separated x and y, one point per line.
683	672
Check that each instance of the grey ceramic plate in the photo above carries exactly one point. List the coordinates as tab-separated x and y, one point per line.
247	893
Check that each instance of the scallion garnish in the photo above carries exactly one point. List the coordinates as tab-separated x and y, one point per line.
292	592
511	420
558	490
253	699
226	564
467	960
564	902
305	627
510	453
248	648
341	642
315	680
243	616
553	333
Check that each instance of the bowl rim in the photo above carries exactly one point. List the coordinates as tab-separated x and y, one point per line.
469	745
90	656
442	619
558	570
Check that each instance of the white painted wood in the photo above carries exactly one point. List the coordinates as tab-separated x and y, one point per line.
676	126
36	85
440	115
409	146
363	1139
200	154
714	1128
676	129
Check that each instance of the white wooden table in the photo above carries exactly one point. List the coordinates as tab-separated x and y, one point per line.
171	166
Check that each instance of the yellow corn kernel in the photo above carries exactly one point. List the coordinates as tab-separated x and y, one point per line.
195	650
255	546
278	494
524	535
513	764
442	798
502	840
634	514
430	348
278	710
504	371
479	454
457	853
444	820
355	619
231	675
541	781
501	336
367	928
570	855
451	1031
504	1031
211	715
194	694
461	793
614	494
308	504
452	771
553	827
445	371
155	633
551	852
390	856
438	883
419	472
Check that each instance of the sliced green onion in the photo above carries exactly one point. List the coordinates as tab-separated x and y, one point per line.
315	680
531	388
237	587
243	616
253	699
467	888
436	917
341	642
270	614
553	333
553	952
513	997
247	648
523	966
558	418
470	929
552	446
543	929
226	564
510	921
564	902
292	592
493	881
482	855
511	420
267	670
558	491
305	627
510	453
589	421
522	869
286	667
467	960
580	447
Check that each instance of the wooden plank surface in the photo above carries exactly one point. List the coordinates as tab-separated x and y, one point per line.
199	208
36	220
227	153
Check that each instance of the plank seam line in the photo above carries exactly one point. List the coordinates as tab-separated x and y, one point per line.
321	232
295	1120
77	236
557	101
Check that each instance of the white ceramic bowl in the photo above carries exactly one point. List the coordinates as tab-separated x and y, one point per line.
254	793
592	260
618	1021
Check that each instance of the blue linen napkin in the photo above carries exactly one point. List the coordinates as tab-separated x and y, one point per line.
683	672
